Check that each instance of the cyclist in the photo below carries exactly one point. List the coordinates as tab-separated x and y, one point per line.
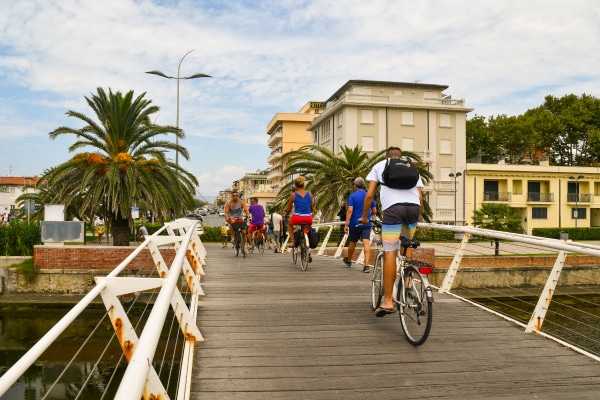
257	222
401	211
234	209
304	207
355	230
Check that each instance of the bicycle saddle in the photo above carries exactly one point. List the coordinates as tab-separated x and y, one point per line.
406	243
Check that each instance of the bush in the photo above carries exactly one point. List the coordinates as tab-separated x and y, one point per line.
17	238
592	233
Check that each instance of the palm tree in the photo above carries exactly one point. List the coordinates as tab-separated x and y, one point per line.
126	163
329	177
499	217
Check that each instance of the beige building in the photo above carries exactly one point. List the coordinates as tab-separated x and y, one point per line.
545	196
256	184
287	132
416	117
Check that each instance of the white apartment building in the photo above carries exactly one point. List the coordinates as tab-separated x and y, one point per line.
416	117
11	187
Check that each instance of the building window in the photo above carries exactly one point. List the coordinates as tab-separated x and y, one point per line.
408	118
367	116
367	143
578	213
326	132
445	120
407	144
445	146
517	187
539	213
339	119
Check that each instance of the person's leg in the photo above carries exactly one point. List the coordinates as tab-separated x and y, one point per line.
389	277
291	233
367	251
348	259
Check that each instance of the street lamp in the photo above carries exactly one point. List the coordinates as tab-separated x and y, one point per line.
197	75
455	176
576	213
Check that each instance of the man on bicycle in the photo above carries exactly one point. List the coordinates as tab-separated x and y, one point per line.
304	207
257	222
401	211
353	228
234	209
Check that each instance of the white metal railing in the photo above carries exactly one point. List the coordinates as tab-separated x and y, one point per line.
140	377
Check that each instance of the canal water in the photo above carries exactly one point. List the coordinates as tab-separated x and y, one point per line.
22	327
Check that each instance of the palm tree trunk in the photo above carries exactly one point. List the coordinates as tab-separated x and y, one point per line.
120	232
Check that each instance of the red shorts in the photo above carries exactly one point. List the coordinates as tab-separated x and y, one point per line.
255	227
301	220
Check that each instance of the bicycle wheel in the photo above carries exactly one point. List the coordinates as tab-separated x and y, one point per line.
304	256
236	244
377	282
260	245
295	254
415	303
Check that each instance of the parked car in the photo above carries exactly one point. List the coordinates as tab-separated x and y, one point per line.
221	213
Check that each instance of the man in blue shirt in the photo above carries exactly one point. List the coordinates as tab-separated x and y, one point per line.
353	228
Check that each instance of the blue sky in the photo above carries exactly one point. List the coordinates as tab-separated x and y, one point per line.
266	57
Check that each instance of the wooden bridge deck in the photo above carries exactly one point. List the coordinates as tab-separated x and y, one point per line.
273	331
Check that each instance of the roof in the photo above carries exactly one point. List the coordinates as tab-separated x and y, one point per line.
355	82
19	180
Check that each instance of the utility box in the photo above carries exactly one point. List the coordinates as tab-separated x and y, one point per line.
564	236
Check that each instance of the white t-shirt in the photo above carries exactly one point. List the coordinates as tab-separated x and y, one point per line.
388	196
277	222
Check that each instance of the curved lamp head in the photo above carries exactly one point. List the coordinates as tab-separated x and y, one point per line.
198	75
159	73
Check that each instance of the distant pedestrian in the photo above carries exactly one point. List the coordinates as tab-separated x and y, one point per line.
276	220
142	233
100	231
355	229
224	234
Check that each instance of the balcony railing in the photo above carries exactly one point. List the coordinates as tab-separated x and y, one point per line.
274	156
399	100
496	196
274	174
274	138
580	197
540	197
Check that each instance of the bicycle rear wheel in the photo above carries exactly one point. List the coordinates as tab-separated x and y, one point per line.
295	254
260	245
416	301
304	256
377	282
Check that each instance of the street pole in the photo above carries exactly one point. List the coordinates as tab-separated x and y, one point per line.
455	176
197	75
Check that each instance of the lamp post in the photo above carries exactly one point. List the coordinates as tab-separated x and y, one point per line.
576	213
455	176
197	75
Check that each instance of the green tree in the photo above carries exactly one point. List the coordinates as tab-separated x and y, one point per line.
482	145
126	162
498	217
329	177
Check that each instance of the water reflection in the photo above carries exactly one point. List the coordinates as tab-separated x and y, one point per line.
21	328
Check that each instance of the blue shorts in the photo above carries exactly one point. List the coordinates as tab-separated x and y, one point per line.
399	220
359	232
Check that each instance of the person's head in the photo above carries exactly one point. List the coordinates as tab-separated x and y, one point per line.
299	182
359	183
234	195
393	152
253	200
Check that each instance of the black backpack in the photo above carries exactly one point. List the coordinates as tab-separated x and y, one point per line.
400	173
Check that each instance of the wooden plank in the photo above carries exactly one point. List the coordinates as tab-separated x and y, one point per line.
275	332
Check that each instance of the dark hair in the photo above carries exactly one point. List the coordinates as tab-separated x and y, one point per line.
391	150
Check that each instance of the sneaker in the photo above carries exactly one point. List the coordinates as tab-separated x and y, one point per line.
366	269
347	262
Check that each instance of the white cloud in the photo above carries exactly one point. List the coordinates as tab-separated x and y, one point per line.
267	57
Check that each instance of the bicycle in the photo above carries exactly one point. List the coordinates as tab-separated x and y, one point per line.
412	294
258	243
238	242
302	247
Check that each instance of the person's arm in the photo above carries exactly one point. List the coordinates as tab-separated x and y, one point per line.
348	216
227	211
368	199
245	207
312	204
281	225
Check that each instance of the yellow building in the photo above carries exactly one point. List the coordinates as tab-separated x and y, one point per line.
287	132
416	117
545	196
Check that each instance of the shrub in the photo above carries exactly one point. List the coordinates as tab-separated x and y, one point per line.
17	238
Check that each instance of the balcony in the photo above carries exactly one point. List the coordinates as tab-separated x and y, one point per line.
367	99
274	174
444	186
425	156
580	198
275	138
275	155
534	197
497	196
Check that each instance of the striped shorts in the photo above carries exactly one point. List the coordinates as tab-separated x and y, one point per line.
399	220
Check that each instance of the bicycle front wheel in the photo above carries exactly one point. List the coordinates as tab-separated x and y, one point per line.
304	257
415	301
377	282
236	245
